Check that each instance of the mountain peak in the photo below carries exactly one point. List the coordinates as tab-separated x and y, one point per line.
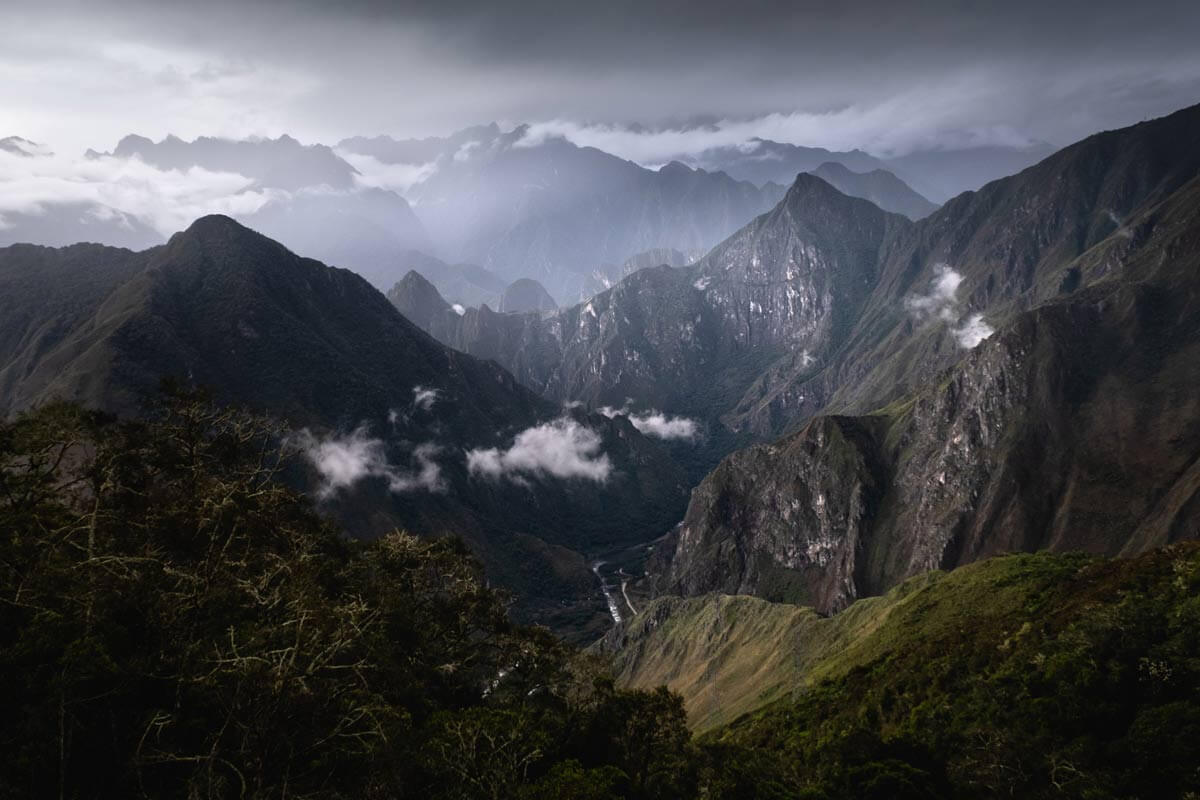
223	233
216	224
676	168
808	187
18	146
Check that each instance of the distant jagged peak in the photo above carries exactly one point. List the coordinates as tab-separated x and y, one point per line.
23	147
811	190
283	162
133	142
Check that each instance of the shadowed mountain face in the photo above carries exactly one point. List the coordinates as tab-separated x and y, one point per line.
559	213
226	308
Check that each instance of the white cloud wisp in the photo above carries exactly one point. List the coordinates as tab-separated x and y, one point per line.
561	449
656	423
942	303
343	461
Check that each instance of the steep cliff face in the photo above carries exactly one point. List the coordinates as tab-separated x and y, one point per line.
783	521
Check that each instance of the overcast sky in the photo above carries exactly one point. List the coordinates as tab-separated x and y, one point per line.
883	75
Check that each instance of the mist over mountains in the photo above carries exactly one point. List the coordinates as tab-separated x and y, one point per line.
772	403
504	201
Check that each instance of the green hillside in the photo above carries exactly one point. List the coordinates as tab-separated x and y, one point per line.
1025	675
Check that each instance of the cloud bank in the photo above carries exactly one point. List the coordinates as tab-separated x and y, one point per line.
561	449
376	174
343	461
878	128
167	200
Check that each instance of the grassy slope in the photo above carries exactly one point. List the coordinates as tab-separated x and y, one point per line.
729	656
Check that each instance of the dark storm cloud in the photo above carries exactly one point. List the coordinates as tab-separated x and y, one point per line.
881	75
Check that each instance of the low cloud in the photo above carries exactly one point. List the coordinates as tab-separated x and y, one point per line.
656	423
375	174
343	461
903	123
972	331
424	397
167	200
561	449
464	151
941	302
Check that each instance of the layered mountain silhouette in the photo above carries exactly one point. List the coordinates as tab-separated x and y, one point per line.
282	163
762	161
937	174
461	284
559	213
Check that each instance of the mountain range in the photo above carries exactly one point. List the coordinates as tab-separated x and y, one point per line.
858	396
938	174
1009	373
560	213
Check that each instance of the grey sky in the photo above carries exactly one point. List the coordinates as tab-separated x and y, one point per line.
885	76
